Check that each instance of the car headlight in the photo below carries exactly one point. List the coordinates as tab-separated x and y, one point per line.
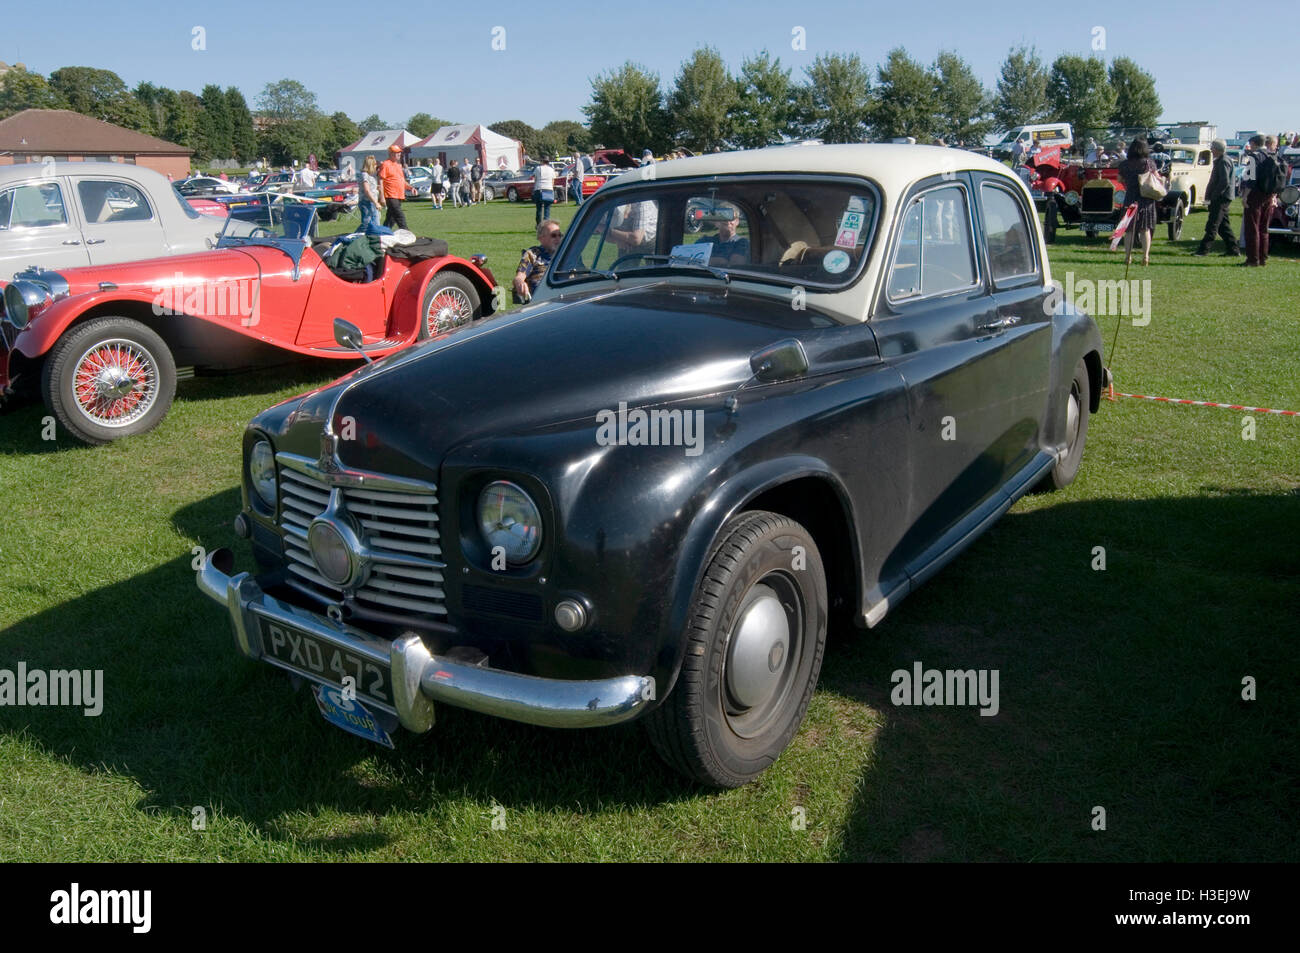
261	472
330	552
507	517
1071	198
23	301
1290	195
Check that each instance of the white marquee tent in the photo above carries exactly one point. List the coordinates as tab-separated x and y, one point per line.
375	144
468	141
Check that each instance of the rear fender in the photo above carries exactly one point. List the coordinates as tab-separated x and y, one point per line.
405	315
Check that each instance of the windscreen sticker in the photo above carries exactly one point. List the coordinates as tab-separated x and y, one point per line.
835	261
850	229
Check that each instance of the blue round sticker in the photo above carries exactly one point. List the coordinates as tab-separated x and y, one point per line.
835	261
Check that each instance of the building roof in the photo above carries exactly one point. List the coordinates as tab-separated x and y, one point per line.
52	131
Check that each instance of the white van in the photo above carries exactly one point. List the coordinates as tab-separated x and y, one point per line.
1043	135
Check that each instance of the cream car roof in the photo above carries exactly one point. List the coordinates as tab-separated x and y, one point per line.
894	167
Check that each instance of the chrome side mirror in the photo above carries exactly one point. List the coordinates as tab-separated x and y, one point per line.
347	334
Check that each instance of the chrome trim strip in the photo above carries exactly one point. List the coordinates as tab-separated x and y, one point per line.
353	478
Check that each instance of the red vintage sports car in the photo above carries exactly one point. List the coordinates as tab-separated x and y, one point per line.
104	343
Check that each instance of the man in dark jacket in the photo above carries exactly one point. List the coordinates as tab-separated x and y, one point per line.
1258	202
1219	195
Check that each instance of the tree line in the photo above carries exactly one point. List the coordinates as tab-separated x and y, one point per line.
840	100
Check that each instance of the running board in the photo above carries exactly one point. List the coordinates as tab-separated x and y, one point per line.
185	373
384	345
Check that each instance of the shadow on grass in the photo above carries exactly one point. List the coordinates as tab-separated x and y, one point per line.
22	426
1118	688
195	723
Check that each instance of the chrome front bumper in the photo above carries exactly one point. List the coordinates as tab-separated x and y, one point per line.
418	677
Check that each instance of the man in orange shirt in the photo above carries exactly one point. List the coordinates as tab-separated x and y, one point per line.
392	180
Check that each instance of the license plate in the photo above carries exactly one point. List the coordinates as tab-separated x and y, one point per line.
321	660
349	714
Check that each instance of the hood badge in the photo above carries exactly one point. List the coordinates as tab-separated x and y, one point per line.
328	460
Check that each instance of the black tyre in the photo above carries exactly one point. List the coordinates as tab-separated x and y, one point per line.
1050	222
512	194
450	301
1176	221
1078	405
109	378
754	643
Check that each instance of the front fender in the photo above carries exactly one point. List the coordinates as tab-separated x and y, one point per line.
39	336
406	302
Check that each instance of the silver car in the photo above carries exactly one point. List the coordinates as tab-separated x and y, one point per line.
64	214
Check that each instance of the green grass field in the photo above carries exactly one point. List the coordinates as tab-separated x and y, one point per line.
1120	688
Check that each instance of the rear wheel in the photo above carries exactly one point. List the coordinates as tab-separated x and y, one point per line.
512	194
109	378
451	300
754	642
1077	407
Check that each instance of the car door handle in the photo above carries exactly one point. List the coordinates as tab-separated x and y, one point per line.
73	241
1001	324
96	241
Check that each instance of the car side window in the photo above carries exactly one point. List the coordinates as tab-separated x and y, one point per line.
933	255
1006	233
108	202
33	206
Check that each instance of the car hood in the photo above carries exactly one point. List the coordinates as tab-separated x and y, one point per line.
560	361
152	274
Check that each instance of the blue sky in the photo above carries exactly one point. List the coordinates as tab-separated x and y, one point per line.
445	63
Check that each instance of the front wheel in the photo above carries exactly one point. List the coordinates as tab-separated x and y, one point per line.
1176	222
109	378
755	637
1050	221
1078	404
450	301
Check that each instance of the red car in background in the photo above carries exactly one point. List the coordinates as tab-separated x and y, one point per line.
102	344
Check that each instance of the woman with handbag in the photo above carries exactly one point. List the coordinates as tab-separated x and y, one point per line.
1142	184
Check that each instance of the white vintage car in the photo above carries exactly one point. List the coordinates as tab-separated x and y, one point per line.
65	214
1189	174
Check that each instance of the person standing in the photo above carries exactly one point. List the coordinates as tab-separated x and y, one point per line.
476	183
435	186
369	201
1131	171
1219	195
393	179
543	189
453	182
1259	166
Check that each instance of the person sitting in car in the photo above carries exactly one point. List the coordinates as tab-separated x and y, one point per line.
535	260
728	249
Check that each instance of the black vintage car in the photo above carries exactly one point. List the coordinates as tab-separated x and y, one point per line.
759	395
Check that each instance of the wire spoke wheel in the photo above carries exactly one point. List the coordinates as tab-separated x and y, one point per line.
450	308
115	383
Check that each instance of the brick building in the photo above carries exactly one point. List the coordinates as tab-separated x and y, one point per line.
33	134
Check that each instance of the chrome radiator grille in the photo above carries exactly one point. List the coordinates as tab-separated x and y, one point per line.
399	527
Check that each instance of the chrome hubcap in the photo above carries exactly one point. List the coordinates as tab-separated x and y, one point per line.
762	654
1072	418
115	383
450	308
